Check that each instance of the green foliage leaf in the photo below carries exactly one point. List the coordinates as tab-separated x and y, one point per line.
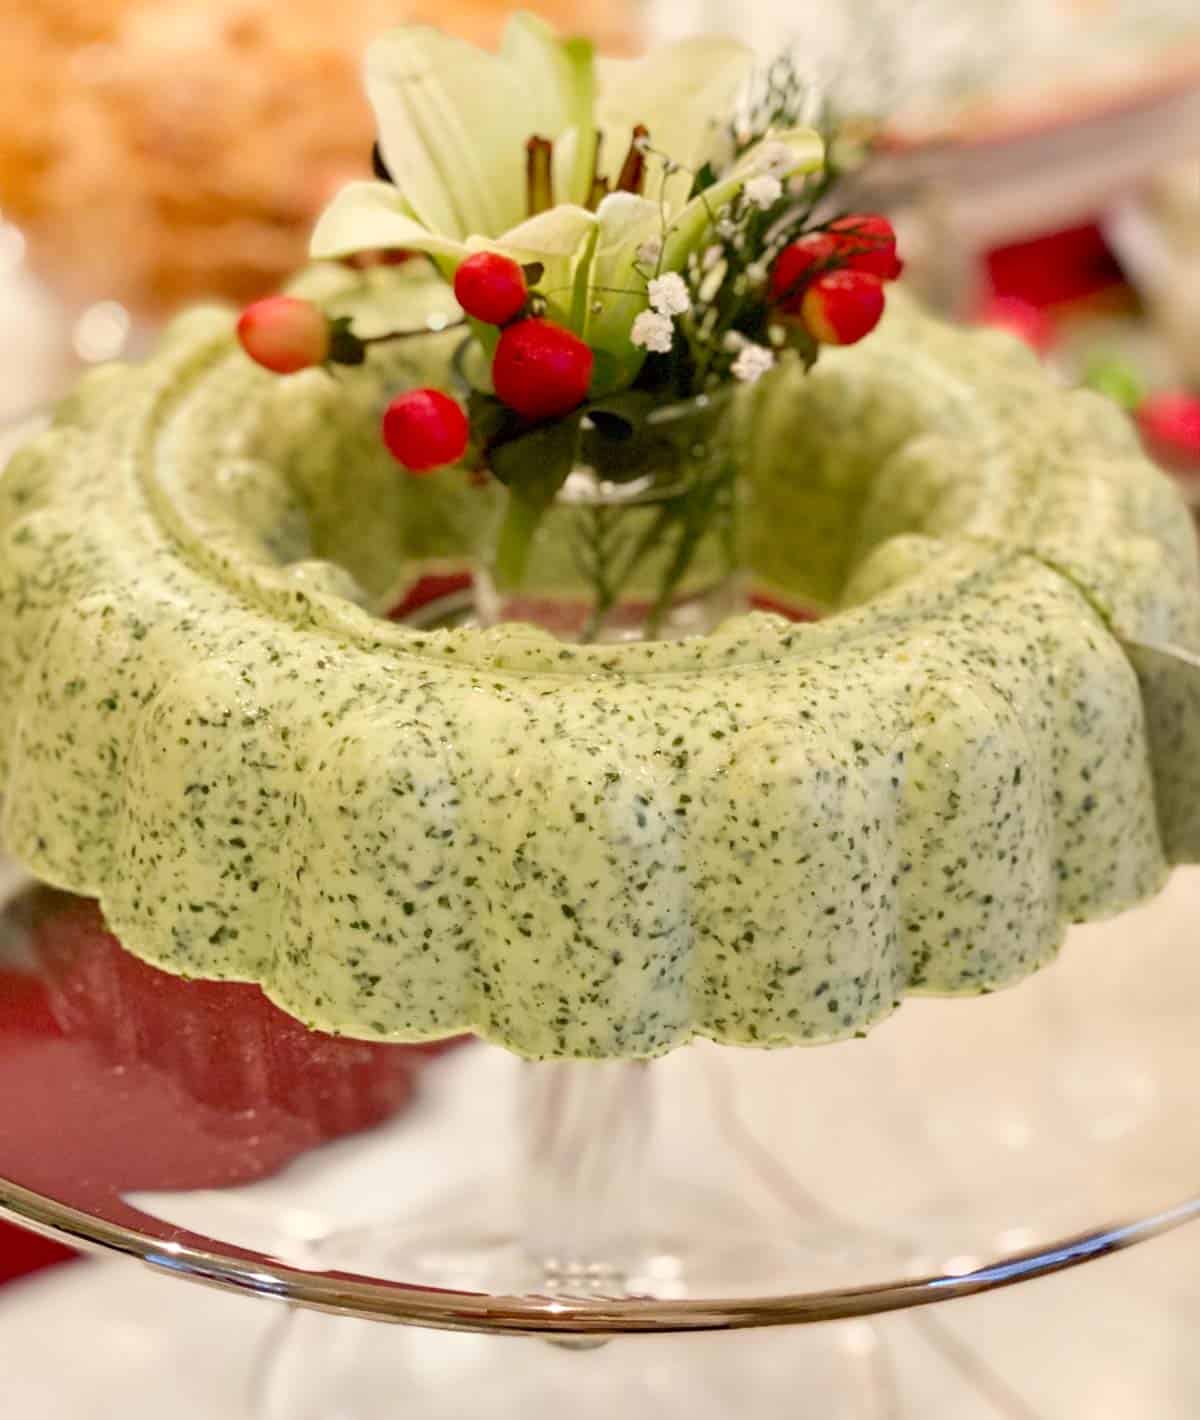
535	462
345	348
797	338
1117	378
491	422
606	372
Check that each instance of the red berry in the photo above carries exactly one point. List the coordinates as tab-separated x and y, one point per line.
867	242
284	334
843	306
793	267
490	287
1170	423
541	370
425	429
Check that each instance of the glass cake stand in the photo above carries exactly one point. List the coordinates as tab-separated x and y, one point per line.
964	1146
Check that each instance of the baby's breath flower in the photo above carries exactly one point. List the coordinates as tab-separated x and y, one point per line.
753	361
650	251
764	192
711	256
669	294
756	273
652	331
776	160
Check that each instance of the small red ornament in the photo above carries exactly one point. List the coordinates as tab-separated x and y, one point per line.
541	370
795	264
866	242
490	287
284	334
425	429
843	306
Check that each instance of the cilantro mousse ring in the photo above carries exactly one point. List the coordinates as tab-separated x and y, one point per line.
764	836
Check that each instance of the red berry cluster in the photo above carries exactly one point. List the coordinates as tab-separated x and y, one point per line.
833	280
540	370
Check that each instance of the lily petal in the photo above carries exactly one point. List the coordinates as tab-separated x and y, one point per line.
675	92
806	144
373	216
561	80
618	291
453	124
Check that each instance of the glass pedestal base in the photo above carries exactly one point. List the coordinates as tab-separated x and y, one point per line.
317	1367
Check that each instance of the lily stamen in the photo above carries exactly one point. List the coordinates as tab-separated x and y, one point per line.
633	169
539	175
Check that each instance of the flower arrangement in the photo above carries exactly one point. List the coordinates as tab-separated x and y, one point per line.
616	251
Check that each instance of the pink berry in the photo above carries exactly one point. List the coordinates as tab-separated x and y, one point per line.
284	334
866	242
843	306
425	429
490	287
795	264
541	370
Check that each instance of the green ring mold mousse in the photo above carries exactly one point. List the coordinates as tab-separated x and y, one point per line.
765	836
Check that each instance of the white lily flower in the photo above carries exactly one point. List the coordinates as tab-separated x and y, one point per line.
454	125
454	122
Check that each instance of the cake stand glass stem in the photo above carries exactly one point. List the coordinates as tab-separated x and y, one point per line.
585	1132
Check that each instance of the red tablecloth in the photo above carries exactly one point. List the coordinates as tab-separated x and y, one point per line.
116	1076
25	1011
